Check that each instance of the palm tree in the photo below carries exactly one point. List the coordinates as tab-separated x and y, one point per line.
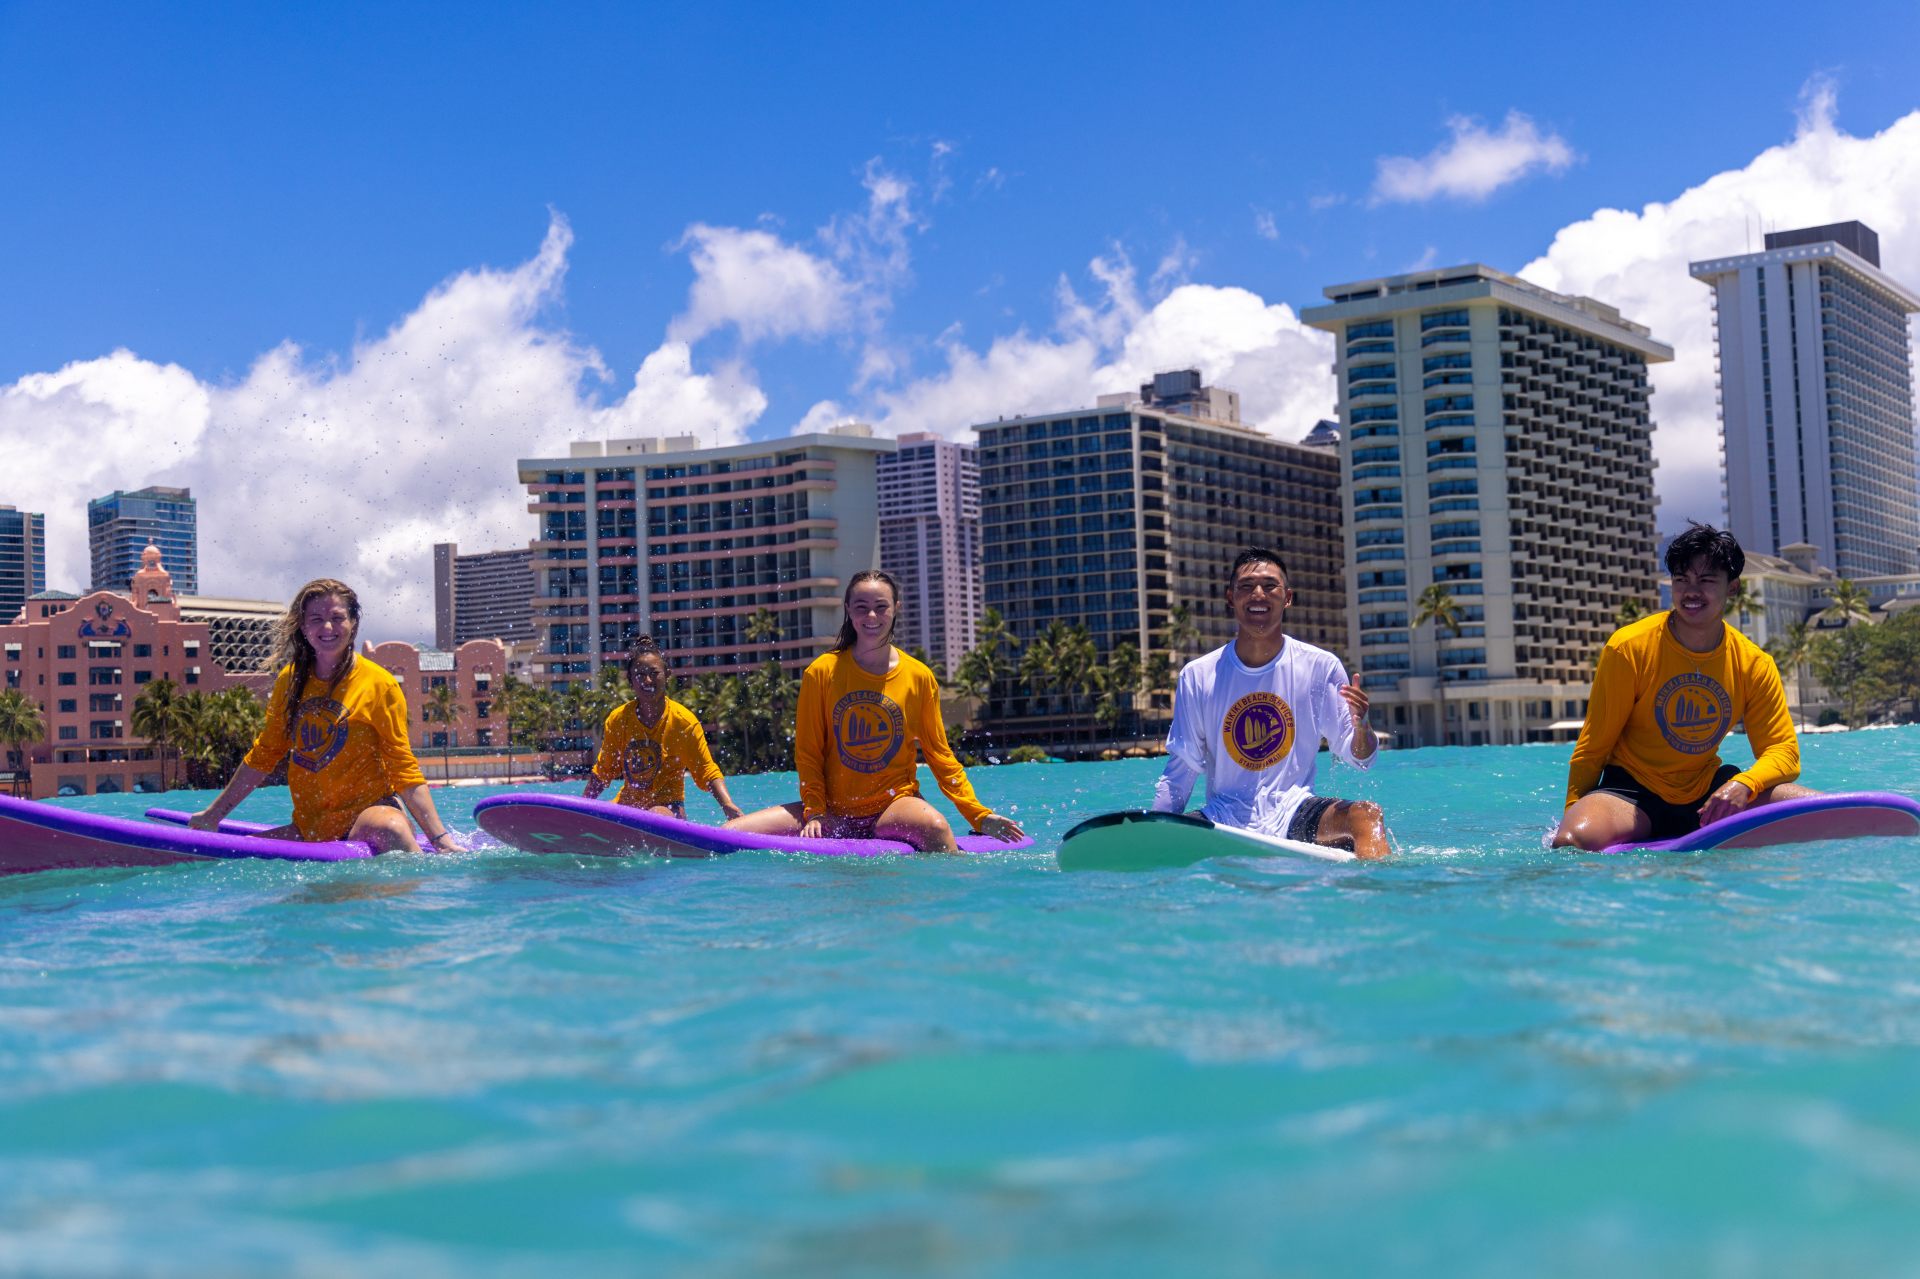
1436	605
509	703
716	700
1183	633
1630	611
153	717
762	626
542	716
1743	601
1119	678
21	722
1078	662
443	706
1794	647
1039	661
238	718
1849	604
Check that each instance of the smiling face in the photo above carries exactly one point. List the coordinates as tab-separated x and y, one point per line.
870	608
647	675
1700	592
1259	596
327	624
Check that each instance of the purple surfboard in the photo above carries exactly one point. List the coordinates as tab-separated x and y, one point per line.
37	836
569	824
1852	815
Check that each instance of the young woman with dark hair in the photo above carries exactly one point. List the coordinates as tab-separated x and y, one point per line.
864	707
342	722
652	742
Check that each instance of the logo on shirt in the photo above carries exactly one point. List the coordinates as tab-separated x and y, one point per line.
319	732
1258	731
641	761
868	730
1693	713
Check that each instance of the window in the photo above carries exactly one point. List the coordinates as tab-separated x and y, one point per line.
68	733
67	679
64	651
142	677
193	675
143	650
69	704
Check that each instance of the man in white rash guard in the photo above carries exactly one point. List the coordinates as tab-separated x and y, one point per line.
1250	716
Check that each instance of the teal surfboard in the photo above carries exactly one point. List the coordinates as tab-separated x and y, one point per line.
1157	841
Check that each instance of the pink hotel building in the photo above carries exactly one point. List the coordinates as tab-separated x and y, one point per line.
657	536
85	660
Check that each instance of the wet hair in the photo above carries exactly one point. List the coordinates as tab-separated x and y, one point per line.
1259	555
847	635
642	647
290	642
1718	546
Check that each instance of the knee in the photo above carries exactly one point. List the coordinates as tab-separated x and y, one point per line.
1583	835
1364	814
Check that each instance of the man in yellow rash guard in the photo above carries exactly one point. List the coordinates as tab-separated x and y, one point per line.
1669	688
854	735
349	748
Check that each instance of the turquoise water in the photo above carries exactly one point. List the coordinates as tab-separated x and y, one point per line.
1482	1057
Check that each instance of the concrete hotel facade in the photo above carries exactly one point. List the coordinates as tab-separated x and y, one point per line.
241	632
929	511
658	536
488	595
23	559
1111	517
1816	398
1496	440
121	525
474	671
85	660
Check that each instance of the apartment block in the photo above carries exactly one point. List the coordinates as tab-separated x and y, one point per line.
1816	399
23	559
687	544
929	512
488	595
1496	442
121	525
1115	516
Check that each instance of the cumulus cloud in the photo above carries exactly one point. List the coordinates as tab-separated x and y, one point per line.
1473	163
353	465
1264	226
761	286
1119	339
1638	260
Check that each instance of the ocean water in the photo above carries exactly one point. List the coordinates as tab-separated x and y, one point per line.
1480	1058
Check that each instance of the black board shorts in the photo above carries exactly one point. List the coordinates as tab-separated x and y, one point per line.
1305	826
1670	821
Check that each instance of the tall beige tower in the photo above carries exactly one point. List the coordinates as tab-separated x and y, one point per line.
1496	443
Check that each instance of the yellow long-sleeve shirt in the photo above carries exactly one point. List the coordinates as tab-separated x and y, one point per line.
349	747
651	761
854	735
1660	711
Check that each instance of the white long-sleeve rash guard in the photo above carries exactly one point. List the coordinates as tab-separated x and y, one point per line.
1255	732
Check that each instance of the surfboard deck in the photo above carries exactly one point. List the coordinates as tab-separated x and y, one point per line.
1135	840
1842	815
36	836
570	824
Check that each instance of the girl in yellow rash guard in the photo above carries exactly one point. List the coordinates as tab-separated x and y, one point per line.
864	706
652	742
1669	688
343	722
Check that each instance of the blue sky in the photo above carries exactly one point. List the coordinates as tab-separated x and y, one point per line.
198	185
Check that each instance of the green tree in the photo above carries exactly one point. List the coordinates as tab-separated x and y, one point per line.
1118	682
1183	633
1846	605
1794	648
1040	664
1896	650
153	717
1078	667
541	715
1436	605
21	723
443	707
508	704
1630	611
1844	663
1743	601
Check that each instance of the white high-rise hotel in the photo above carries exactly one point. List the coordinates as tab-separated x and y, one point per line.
1496	443
929	504
1816	389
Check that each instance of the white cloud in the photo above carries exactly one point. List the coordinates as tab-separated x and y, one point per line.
1264	226
352	466
1116	342
1473	163
1638	262
761	286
